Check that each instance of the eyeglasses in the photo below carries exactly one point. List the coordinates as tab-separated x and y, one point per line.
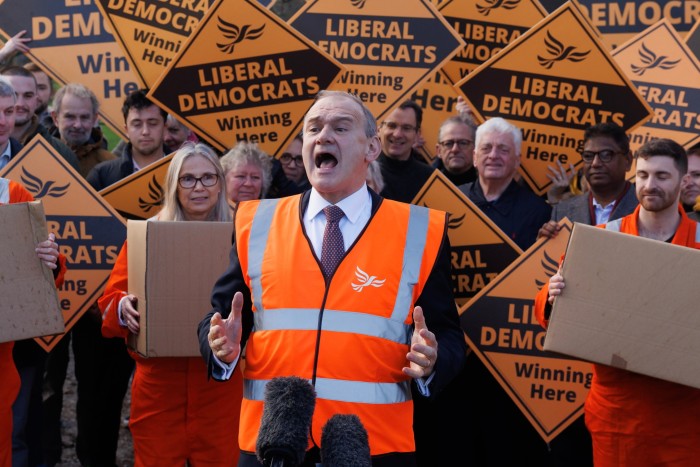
405	128
461	143
190	181
605	155
286	158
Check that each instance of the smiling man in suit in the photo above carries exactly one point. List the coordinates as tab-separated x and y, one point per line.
606	161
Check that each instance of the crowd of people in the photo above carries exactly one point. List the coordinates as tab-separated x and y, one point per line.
389	349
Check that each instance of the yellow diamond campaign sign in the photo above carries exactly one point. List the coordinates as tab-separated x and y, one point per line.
667	74
244	75
151	32
480	250
72	43
619	21
553	82
487	26
140	195
438	99
389	47
88	231
500	326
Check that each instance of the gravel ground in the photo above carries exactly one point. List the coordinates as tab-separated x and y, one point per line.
125	450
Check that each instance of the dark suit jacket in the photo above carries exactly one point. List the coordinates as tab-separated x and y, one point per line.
107	173
577	208
437	301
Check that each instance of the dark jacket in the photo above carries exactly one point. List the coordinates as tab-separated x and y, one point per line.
458	179
37	128
403	179
518	212
90	153
109	172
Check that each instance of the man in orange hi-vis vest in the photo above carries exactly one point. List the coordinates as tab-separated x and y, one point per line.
636	419
361	333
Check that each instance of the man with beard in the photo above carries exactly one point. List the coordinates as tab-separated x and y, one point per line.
403	173
75	112
690	187
636	419
27	124
44	93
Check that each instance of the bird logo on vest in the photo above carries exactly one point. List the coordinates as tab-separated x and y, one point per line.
365	280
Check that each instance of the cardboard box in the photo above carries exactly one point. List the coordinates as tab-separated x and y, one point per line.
29	306
631	303
172	269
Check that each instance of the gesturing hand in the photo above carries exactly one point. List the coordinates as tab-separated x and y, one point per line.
424	348
225	334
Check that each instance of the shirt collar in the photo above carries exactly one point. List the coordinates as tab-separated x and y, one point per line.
6	155
352	205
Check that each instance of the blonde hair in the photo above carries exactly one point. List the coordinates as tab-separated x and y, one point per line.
244	153
172	210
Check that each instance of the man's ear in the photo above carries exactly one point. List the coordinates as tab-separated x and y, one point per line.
629	159
374	148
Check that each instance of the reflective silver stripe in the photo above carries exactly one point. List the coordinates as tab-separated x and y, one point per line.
4	191
342	390
259	232
416	237
697	232
614	225
306	319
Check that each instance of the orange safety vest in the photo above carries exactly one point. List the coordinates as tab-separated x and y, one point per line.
349	337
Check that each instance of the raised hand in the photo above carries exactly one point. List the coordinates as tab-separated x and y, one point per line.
225	334
424	348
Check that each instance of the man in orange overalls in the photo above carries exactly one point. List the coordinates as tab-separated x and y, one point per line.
635	419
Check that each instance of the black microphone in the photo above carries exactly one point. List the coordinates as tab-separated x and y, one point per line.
286	420
344	442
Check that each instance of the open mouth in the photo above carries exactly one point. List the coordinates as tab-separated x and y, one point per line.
325	160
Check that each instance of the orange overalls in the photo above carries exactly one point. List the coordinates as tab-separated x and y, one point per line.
635	419
177	413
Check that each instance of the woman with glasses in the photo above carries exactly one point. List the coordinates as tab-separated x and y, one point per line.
172	414
293	164
248	172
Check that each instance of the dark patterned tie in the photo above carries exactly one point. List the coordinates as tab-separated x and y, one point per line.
333	247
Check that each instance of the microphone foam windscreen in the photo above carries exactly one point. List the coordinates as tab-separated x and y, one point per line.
344	442
286	419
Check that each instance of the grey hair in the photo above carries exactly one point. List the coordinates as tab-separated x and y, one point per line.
370	121
77	90
6	89
501	126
